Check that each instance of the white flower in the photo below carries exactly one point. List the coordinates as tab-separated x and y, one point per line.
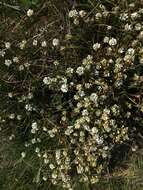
35	42
51	166
73	13
28	107
98	16
30	95
44	44
131	51
58	154
12	137
128	58
30	12
51	133
33	131
80	71
2	53
54	175
138	26
7	45
45	129
34	126
45	155
44	178
22	44
132	5
106	39
76	21
82	13
141	60
99	140
12	116
81	93
56	42
128	27
64	88
15	59
134	148
124	16
10	95
8	62
134	15
140	11
69	70
94	130
33	141
37	150
141	35
56	62
96	46
80	169
109	27
38	140
121	50
21	68
26	64
68	131
85	112
93	97
23	154
112	42
89	57
46	80
64	80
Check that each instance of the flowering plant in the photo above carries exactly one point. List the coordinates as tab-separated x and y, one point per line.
71	88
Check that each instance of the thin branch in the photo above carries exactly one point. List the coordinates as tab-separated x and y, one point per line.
10	6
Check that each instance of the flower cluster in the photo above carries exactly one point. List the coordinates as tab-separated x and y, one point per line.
75	93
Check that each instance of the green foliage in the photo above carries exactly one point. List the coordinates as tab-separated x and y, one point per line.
29	3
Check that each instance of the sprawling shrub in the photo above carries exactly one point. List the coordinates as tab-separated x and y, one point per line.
71	85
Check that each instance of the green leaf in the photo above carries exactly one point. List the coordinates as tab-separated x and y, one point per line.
25	3
29	3
35	2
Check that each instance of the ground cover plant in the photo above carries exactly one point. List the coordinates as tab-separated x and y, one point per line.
71	87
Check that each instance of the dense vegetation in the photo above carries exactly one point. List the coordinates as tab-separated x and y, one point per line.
71	88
